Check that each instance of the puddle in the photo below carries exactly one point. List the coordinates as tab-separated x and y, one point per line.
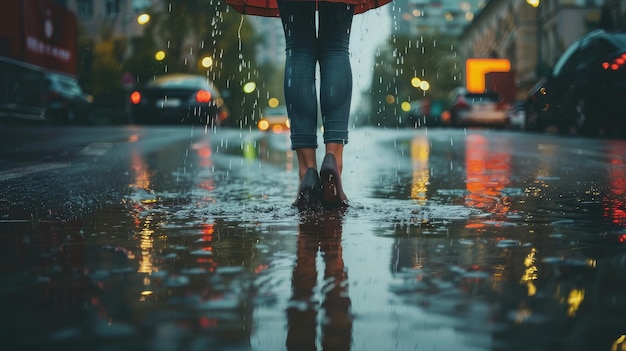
454	241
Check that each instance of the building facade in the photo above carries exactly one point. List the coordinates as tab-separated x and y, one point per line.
531	37
448	17
117	16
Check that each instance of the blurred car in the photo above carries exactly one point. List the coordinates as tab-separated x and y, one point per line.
422	113
586	91
178	99
274	119
66	102
464	108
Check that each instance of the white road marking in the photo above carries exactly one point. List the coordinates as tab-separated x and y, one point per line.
95	149
22	171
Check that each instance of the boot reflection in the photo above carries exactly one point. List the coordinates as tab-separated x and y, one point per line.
319	235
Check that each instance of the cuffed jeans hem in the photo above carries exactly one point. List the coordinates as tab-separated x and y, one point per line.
336	141
337	137
303	141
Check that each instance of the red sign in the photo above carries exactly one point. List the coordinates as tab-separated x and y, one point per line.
49	36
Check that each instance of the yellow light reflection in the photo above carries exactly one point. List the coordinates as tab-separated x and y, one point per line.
530	273
146	244
574	300
619	344
420	151
522	315
145	294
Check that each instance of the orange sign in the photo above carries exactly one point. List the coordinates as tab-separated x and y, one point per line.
476	70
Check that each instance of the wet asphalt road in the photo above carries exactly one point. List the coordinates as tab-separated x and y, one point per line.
133	238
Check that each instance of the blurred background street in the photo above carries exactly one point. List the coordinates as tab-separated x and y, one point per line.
146	180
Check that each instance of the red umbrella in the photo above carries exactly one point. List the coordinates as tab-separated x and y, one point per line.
269	8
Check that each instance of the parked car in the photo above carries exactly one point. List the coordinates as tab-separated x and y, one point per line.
464	108
178	99
66	102
586	91
274	119
517	115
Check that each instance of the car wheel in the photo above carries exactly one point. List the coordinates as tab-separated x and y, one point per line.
532	122
585	118
70	116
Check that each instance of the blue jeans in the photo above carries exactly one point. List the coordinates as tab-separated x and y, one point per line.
306	47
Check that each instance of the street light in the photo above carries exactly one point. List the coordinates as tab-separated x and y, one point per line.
249	87
160	55
143	18
420	83
207	61
538	28
424	85
533	3
415	82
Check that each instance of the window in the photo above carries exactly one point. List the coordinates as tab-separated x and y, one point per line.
84	9
140	5
112	7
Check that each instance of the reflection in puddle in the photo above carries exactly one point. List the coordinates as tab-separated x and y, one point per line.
205	254
420	151
615	201
319	299
487	167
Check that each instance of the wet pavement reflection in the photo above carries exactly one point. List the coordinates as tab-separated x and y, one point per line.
454	240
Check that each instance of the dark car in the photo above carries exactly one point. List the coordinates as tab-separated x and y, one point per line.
464	108
66	102
586	91
178	99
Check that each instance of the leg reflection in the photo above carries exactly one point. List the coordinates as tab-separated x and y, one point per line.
328	304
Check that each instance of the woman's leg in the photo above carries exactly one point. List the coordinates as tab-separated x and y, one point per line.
298	20
335	22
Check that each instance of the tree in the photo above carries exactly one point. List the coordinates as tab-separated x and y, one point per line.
106	75
187	30
430	58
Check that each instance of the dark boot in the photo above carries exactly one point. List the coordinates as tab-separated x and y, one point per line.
332	191
309	191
